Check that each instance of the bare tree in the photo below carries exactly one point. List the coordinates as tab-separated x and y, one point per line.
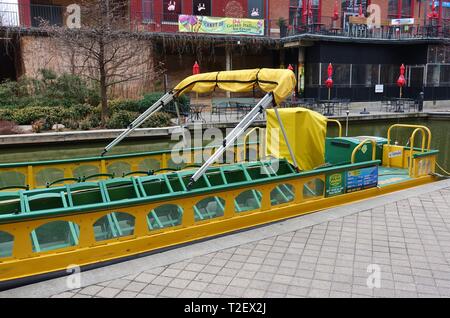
103	49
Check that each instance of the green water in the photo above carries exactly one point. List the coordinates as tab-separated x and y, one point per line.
440	130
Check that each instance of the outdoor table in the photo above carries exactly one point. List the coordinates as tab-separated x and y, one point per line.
328	106
399	104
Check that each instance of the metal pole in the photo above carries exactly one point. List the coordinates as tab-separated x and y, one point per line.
164	100
233	135
346	124
291	153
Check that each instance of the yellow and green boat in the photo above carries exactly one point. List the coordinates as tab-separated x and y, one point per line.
90	212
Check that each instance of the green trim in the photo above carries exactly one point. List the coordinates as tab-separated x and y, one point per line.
6	218
426	154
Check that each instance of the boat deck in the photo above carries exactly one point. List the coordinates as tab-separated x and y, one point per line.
388	176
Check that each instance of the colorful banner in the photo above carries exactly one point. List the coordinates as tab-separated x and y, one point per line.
200	24
361	179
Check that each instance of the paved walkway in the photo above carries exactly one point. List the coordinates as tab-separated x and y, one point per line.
399	242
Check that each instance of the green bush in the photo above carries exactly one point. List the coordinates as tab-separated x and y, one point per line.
159	119
121	119
48	90
124	104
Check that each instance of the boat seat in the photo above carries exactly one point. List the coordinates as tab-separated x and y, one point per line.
10	203
85	193
121	189
45	201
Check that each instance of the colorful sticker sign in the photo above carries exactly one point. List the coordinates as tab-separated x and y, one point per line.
335	184
361	179
201	24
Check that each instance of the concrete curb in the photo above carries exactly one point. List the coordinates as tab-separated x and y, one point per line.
56	286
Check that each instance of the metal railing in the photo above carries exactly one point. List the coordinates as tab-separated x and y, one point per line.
19	15
358	28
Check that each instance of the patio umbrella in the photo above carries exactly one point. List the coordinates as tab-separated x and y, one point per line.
335	11
433	14
401	79
329	80
361	14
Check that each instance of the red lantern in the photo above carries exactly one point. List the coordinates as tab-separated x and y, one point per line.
329	80
196	68
335	11
401	79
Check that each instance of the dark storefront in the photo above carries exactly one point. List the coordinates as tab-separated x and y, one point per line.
359	67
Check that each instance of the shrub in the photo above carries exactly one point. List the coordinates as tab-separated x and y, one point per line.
9	128
124	104
121	119
7	114
159	119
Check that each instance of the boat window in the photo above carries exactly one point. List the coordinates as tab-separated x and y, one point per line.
119	168
209	208
282	193
6	244
49	175
248	201
149	164
313	189
166	215
113	225
85	171
55	235
11	179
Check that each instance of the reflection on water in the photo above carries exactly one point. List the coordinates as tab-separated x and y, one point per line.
440	130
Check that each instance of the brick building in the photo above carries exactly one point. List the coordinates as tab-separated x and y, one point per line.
366	49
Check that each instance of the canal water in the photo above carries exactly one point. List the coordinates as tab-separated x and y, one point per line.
440	130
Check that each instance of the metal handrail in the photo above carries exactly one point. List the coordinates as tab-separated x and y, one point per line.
362	143
409	126
338	123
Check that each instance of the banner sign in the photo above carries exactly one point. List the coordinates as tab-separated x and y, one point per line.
201	24
361	179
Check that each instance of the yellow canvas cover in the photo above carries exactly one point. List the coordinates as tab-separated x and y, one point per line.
306	131
279	81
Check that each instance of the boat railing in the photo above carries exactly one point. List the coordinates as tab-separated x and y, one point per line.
361	144
338	123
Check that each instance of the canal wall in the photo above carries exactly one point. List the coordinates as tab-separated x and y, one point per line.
166	132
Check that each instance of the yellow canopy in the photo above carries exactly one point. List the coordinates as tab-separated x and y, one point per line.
306	132
279	81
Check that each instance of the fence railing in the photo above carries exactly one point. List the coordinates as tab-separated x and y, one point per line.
356	27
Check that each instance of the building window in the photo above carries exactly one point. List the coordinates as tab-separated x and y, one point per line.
201	7
304	12
256	9
147	11
400	9
171	10
341	74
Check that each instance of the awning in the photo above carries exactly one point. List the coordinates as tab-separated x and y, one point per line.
279	81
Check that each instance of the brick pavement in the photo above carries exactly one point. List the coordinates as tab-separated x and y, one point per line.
408	240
